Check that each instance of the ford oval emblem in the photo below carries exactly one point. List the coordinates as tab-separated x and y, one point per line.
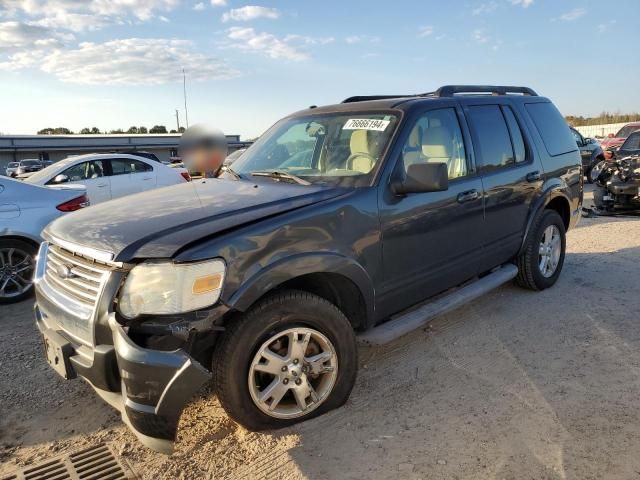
65	272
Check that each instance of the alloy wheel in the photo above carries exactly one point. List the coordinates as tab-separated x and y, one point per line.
293	373
550	251
16	272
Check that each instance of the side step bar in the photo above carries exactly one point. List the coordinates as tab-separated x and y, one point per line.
419	317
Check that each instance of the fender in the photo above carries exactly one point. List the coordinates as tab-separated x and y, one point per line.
553	188
294	266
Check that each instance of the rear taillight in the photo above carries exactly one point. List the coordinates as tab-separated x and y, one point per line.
74	204
186	176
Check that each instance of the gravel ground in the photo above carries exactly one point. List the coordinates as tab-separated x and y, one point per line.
516	385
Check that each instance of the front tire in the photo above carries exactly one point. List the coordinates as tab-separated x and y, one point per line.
17	264
541	260
290	358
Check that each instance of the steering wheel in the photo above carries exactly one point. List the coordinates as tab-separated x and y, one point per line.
359	154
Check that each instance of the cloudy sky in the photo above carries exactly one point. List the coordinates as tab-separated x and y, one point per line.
117	63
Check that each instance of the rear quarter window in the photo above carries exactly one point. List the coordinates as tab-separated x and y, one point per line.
552	127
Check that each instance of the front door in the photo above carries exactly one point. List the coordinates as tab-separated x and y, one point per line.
93	176
431	241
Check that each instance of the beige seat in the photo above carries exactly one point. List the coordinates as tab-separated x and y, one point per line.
361	157
436	145
412	152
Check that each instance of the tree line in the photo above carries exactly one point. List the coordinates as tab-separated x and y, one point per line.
97	131
602	119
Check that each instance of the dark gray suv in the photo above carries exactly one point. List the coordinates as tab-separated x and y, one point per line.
341	223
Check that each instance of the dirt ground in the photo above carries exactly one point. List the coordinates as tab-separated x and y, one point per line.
516	385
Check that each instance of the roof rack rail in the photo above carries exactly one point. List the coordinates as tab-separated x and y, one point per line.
451	90
366	98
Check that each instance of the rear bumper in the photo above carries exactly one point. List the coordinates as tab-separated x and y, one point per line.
150	388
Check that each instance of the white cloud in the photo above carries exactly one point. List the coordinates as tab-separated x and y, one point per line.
572	15
198	7
265	43
309	40
77	14
604	27
132	61
16	36
480	36
425	31
484	8
250	12
353	39
522	3
218	3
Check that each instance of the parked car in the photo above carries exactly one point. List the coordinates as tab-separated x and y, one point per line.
619	138
27	167
259	280
25	210
110	175
11	169
631	146
233	156
590	151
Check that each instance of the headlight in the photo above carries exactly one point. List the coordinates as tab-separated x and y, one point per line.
169	288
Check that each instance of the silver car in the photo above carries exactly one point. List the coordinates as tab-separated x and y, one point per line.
25	210
11	169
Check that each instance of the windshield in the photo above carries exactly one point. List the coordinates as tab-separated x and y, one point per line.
30	163
344	148
627	130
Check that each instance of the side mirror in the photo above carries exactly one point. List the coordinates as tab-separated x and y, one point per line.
611	135
61	178
423	177
588	140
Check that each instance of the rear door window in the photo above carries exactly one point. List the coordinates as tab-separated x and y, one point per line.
552	127
491	137
122	166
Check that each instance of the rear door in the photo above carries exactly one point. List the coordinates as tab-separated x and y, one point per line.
511	175
431	241
130	176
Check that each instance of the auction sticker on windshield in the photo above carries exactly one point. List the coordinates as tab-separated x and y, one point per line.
366	124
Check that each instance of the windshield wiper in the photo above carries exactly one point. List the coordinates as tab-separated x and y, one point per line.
227	168
281	176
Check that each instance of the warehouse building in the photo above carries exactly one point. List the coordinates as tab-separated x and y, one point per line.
14	148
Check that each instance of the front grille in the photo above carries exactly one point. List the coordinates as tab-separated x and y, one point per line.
75	277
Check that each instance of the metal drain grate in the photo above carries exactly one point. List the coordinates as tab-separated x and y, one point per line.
95	463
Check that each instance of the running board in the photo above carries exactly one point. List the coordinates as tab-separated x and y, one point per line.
419	317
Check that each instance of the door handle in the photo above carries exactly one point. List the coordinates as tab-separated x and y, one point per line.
100	185
533	176
468	196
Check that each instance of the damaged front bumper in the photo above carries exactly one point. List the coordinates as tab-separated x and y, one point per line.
149	387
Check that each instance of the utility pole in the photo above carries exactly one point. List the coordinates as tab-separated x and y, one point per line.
178	120
184	91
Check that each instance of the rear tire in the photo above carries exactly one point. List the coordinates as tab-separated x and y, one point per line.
256	356
17	265
541	260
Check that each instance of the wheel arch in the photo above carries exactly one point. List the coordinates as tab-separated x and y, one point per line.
23	238
554	199
338	279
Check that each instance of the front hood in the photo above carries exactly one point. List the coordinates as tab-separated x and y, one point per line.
158	223
612	142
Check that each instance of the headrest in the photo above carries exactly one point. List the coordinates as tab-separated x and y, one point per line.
415	137
436	142
359	142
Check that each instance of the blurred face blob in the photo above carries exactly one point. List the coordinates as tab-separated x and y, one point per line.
203	149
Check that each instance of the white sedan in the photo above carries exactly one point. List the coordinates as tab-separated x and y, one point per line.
110	175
